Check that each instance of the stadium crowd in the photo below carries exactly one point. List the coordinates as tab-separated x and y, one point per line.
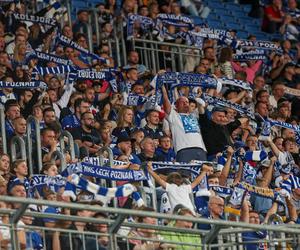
218	153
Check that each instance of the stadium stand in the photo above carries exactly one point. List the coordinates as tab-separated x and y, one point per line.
149	124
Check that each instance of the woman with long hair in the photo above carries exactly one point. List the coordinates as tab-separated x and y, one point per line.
125	121
225	59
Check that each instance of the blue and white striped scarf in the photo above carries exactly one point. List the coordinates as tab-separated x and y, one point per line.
146	23
235	83
268	124
121	191
249	174
216	101
71	72
221	191
258	155
293	182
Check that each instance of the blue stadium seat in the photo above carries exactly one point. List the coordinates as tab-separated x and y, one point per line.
79	4
233	7
92	3
246	8
215	5
198	20
242	34
215	23
235	26
213	16
238	14
221	12
227	19
261	35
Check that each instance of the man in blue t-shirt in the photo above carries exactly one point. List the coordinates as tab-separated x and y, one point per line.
253	218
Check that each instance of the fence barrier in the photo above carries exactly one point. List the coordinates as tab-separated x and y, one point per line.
229	236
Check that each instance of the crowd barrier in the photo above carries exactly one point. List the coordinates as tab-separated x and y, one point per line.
3	132
223	235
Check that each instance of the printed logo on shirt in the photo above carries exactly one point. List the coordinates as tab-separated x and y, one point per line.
190	124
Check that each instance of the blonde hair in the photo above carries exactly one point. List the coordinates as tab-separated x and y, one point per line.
121	114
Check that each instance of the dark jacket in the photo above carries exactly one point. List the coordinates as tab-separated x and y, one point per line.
216	136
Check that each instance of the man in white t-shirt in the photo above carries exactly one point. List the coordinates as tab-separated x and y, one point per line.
184	126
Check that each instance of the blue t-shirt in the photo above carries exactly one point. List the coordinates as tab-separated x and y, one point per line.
253	236
168	156
33	240
70	121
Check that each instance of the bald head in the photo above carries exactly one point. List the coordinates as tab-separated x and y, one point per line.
182	105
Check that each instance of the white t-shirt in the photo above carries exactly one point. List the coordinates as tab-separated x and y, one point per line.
185	131
285	158
180	195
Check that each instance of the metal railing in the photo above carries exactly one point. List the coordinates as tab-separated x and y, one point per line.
17	142
224	234
33	138
57	154
153	54
70	143
3	132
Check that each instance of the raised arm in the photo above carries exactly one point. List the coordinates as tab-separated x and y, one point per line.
205	169
166	101
274	148
269	173
225	170
156	177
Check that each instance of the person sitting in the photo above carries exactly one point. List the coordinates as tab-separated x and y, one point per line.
215	211
193	241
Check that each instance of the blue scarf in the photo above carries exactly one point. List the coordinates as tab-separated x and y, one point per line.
24	85
62	69
98	171
50	58
258	44
216	101
178	21
258	155
194	168
121	191
268	124
93	75
221	191
146	23
69	43
137	100
251	55
176	79
35	19
293	182
236	83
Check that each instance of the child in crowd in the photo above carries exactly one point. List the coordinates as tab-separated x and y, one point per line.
178	192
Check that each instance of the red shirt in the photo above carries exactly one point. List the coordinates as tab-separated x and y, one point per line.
270	11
